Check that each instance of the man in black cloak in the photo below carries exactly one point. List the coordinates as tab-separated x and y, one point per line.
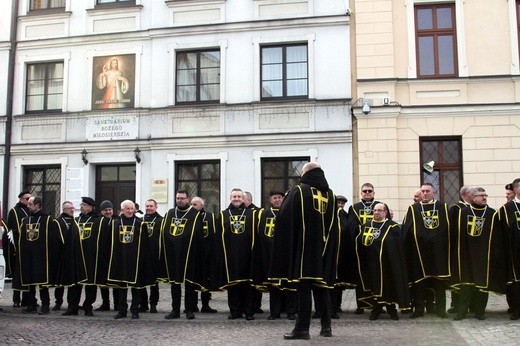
305	248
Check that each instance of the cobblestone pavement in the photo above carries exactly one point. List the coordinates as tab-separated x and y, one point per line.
215	329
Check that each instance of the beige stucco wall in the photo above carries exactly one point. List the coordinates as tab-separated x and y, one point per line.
482	105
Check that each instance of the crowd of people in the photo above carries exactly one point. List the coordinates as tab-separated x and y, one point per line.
304	245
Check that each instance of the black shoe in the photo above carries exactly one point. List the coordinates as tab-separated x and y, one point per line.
296	335
291	317
153	308
359	311
452	310
250	317
374	314
89	313
143	308
121	315
326	332
104	307
173	315
16	305
29	309
233	316
208	309
135	315
417	314
316	314
480	317
393	315
459	317
70	312
44	310
56	307
190	315
515	316
334	315
273	317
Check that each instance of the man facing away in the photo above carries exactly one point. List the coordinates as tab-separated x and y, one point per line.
305	248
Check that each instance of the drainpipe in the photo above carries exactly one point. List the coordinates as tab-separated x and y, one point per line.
9	105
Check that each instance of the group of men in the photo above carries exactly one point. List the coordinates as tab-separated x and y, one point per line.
469	248
303	244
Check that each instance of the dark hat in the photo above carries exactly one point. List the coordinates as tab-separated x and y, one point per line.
276	192
508	187
20	195
89	201
341	198
106	204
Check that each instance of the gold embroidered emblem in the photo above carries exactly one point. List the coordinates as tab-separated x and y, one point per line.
126	234
85	230
320	202
177	226
269	227
475	225
238	223
33	231
430	219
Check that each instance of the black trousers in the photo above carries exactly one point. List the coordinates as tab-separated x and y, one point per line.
515	297
73	297
420	294
282	301
241	298
105	296
305	290
90	297
44	296
58	295
122	305
154	295
336	296
189	297
469	295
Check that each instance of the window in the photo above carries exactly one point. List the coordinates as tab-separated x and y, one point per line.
114	1
46	4
447	176
280	174
44	87
198	76
436	41
45	182
284	71
201	178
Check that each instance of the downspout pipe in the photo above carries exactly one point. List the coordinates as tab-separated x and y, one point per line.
9	104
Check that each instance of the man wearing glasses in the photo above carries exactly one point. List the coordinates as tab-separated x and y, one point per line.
382	267
14	220
358	214
479	261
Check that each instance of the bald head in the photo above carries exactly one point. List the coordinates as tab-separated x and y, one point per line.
309	166
417	196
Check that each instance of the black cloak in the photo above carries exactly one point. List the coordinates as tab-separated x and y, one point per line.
382	266
479	249
182	235
306	233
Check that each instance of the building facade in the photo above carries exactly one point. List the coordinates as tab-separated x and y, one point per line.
139	98
442	80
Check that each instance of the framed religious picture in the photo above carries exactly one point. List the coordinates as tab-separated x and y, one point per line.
113	81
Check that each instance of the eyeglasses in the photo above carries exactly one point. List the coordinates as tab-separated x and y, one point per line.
367	191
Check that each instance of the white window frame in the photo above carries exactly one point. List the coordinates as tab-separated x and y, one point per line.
260	41
462	60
